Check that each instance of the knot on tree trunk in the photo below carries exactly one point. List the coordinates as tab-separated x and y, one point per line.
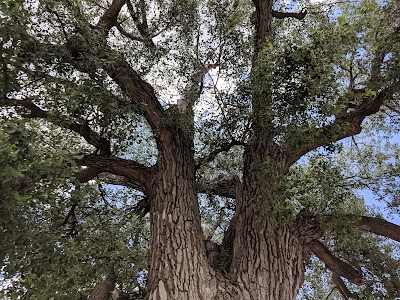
307	227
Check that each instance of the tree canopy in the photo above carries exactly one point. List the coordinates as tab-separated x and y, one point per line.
287	108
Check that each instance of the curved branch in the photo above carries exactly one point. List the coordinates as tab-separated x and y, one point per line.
281	15
128	35
118	166
213	154
334	264
347	123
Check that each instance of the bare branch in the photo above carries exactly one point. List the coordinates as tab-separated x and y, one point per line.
334	264
281	15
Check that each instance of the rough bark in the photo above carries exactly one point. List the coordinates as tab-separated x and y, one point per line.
179	268
267	255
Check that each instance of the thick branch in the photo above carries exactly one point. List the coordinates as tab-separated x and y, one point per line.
102	290
140	91
380	227
109	18
281	15
334	264
263	16
118	166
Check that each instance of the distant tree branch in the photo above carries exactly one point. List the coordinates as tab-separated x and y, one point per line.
334	264
281	15
225	187
213	154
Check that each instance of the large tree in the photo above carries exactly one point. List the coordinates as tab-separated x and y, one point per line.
202	135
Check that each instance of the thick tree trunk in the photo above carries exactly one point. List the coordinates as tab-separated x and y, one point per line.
268	258
179	268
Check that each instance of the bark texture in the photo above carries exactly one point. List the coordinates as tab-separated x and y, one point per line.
179	268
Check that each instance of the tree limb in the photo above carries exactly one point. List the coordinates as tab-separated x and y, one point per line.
213	154
128	35
281	15
194	88
347	123
225	186
379	227
138	90
334	264
118	166
374	225
102	290
343	289
90	136
262	23
109	18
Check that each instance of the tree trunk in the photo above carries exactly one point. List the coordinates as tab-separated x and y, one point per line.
179	268
268	260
